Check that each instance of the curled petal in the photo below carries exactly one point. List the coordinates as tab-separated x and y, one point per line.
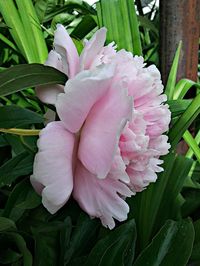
52	169
101	198
139	180
64	46
102	129
48	93
92	48
159	145
81	93
158	119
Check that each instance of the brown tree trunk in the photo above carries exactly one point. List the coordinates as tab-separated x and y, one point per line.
179	20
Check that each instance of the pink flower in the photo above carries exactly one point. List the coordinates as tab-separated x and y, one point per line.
107	145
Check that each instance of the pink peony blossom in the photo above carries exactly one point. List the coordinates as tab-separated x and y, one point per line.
108	143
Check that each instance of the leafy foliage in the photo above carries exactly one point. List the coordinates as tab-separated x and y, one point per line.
158	230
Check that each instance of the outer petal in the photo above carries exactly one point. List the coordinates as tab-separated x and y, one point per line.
100	198
92	48
48	93
102	129
52	170
81	93
65	47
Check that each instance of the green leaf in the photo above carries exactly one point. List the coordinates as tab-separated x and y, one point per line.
159	202
122	25
8	42
83	238
43	7
62	18
192	201
3	141
82	7
9	256
21	245
171	82
84	27
147	23
182	87
178	107
192	144
19	77
16	27
25	29
196	248
21	164
33	31
190	152
47	243
21	198
117	248
171	246
184	121
6	224
14	116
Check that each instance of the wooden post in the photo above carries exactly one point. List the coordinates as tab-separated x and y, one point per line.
179	20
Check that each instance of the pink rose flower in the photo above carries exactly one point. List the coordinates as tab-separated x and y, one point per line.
107	145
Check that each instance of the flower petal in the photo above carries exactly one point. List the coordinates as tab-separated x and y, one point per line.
52	170
81	93
101	198
102	129
48	93
92	48
65	47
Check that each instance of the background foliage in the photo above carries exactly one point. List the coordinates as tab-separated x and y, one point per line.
163	227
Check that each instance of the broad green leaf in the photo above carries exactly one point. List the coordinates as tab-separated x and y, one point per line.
21	245
171	82
21	164
62	18
83	238
43	7
122	25
21	198
82	7
19	77
3	141
117	248
84	27
14	116
195	256
192	201
178	107
6	224
9	256
171	246
159	201
47	243
15	144
191	191
177	131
